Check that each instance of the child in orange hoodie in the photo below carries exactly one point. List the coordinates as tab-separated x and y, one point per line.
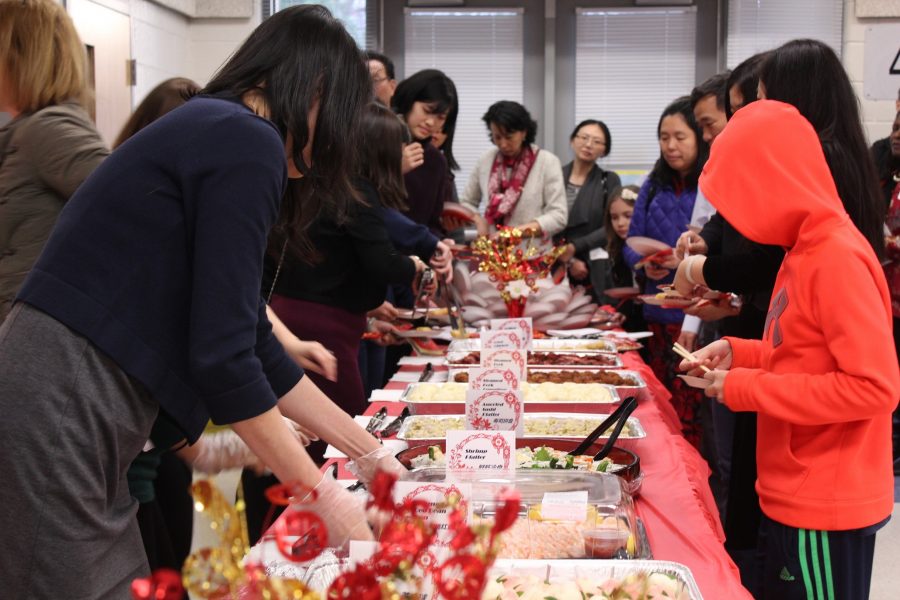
823	379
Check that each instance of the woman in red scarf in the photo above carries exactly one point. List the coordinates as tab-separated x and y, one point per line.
520	184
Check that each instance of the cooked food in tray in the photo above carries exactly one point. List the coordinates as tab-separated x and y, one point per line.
547	358
608	377
531	392
426	427
642	585
545	345
541	457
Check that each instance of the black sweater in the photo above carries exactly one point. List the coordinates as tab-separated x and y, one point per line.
157	260
735	264
357	261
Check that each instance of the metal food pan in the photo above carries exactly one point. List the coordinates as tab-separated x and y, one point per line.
412	421
624	391
455	358
458	407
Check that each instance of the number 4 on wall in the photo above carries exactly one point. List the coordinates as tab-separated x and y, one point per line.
895	66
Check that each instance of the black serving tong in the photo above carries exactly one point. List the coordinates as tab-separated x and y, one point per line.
619	417
427	372
394	426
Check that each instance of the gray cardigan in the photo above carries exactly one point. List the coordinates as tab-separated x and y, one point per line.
44	157
543	196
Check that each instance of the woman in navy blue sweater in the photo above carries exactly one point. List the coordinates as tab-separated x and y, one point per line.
146	300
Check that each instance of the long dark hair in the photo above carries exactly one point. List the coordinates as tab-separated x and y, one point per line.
746	77
662	173
297	58
383	136
431	87
167	96
830	105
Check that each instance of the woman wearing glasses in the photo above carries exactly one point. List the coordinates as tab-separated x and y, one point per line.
521	185
587	191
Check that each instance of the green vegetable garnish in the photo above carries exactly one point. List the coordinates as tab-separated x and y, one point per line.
431	450
543	454
570	461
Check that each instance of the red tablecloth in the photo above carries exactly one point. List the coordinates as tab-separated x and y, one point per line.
676	503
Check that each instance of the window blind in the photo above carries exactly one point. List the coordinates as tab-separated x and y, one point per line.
358	17
758	25
629	65
481	50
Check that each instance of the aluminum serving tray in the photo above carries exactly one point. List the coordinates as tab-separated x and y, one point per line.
572	569
624	391
623	441
545	345
454	359
458	407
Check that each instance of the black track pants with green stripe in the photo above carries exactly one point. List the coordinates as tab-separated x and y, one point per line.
805	564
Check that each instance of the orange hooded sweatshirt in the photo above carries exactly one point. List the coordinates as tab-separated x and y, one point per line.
824	378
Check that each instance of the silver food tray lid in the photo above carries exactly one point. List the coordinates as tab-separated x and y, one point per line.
571	569
613	395
639	431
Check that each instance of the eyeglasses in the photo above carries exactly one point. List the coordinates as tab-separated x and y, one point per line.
591	141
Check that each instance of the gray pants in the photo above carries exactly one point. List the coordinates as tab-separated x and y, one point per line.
70	424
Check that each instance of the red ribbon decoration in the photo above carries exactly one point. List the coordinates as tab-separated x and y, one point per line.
312	532
382	490
509	502
359	584
460	578
163	584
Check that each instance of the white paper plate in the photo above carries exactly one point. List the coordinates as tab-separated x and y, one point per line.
696	382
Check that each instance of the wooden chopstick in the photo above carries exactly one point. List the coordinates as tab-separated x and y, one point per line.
685	354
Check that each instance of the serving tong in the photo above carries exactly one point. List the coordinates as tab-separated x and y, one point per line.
619	417
394	426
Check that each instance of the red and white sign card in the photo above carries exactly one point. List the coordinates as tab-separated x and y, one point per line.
497	410
514	360
502	340
481	451
522	325
436	494
493	379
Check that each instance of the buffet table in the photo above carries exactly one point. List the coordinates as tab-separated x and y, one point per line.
675	503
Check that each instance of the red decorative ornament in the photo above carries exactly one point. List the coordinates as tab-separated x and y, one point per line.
359	584
381	490
515	307
163	584
508	505
460	578
463	535
300	535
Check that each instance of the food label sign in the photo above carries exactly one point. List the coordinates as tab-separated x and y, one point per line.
493	379
514	360
480	450
436	494
522	326
498	410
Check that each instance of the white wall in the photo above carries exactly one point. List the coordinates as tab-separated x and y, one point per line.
878	116
213	40
166	43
